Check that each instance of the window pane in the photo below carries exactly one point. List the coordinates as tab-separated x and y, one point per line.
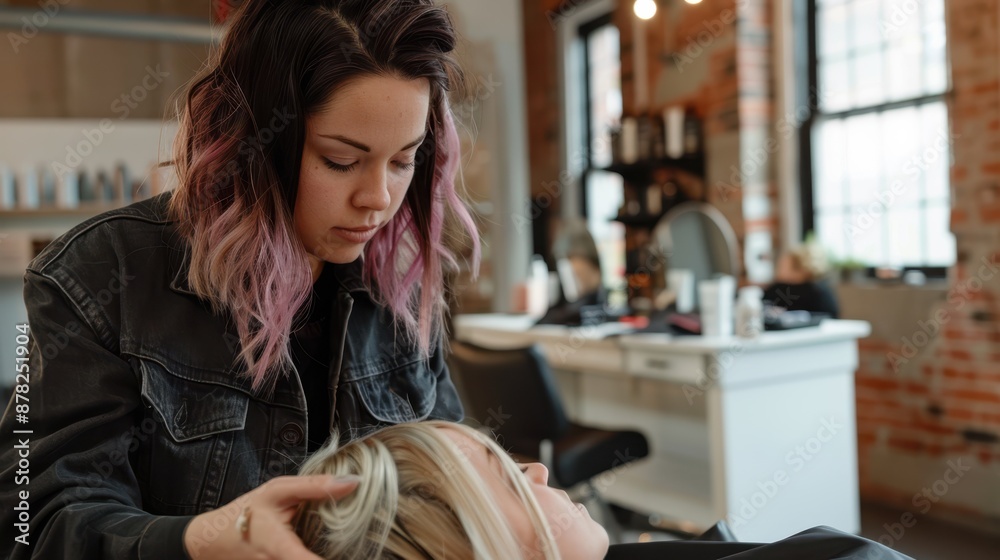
902	71
935	71
829	165
605	191
863	145
832	233
901	135
867	237
868	79
865	21
881	177
935	157
906	236
940	240
605	194
834	85
935	57
900	19
832	29
605	91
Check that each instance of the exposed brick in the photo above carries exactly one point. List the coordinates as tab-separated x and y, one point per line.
972	395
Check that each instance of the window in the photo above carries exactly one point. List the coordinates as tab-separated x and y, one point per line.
876	187
602	105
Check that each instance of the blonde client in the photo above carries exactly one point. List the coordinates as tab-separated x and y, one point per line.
440	490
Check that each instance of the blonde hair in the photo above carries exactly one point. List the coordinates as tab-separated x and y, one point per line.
419	498
811	259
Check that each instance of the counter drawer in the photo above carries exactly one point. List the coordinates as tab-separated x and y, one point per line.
679	368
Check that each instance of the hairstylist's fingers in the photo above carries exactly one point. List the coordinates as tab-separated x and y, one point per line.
285	491
283	543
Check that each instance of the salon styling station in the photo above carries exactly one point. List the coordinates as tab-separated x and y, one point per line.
760	432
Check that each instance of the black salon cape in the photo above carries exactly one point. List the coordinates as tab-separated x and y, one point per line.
818	543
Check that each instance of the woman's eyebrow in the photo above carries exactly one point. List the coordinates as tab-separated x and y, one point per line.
366	148
492	459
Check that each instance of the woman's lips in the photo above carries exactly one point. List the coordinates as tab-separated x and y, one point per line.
355	235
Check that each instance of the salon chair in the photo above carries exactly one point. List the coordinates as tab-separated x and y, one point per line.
513	393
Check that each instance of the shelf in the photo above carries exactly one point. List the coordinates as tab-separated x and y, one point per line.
642	220
151	27
50	212
641	172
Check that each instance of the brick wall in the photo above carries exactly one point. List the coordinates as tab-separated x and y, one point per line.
543	101
928	385
715	56
931	393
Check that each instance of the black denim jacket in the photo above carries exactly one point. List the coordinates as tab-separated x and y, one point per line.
138	419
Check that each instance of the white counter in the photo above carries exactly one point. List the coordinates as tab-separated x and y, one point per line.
760	432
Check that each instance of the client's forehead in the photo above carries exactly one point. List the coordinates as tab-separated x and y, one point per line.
479	455
491	472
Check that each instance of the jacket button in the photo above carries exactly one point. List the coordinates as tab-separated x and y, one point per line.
291	434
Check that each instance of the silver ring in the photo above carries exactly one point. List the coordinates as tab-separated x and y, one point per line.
243	522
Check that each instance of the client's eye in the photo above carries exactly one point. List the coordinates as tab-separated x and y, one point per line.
524	468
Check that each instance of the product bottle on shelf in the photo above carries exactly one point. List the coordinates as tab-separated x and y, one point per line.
105	188
8	188
88	191
69	190
27	189
122	184
750	312
630	140
46	187
657	138
692	133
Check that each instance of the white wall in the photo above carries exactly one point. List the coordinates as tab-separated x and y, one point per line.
499	22
41	142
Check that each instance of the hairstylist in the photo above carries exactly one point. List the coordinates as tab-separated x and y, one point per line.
189	351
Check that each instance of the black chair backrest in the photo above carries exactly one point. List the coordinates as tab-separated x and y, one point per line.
512	392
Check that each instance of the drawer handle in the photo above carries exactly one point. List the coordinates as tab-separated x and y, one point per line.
658	364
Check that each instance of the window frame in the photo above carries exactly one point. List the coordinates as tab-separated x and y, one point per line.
584	30
805	16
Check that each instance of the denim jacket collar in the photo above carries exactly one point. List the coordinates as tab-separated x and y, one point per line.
349	275
179	283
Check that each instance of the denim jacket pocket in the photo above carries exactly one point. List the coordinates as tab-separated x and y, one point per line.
196	425
405	393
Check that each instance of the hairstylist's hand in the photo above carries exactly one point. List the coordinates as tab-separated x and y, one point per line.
269	536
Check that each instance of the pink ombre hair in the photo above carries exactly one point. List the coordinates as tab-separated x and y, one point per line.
238	170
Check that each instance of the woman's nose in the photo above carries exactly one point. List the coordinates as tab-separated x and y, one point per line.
374	192
537	473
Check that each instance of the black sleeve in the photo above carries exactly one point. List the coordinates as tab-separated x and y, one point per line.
84	410
448	405
818	543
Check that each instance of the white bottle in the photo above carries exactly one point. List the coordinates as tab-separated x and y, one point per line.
750	312
538	287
